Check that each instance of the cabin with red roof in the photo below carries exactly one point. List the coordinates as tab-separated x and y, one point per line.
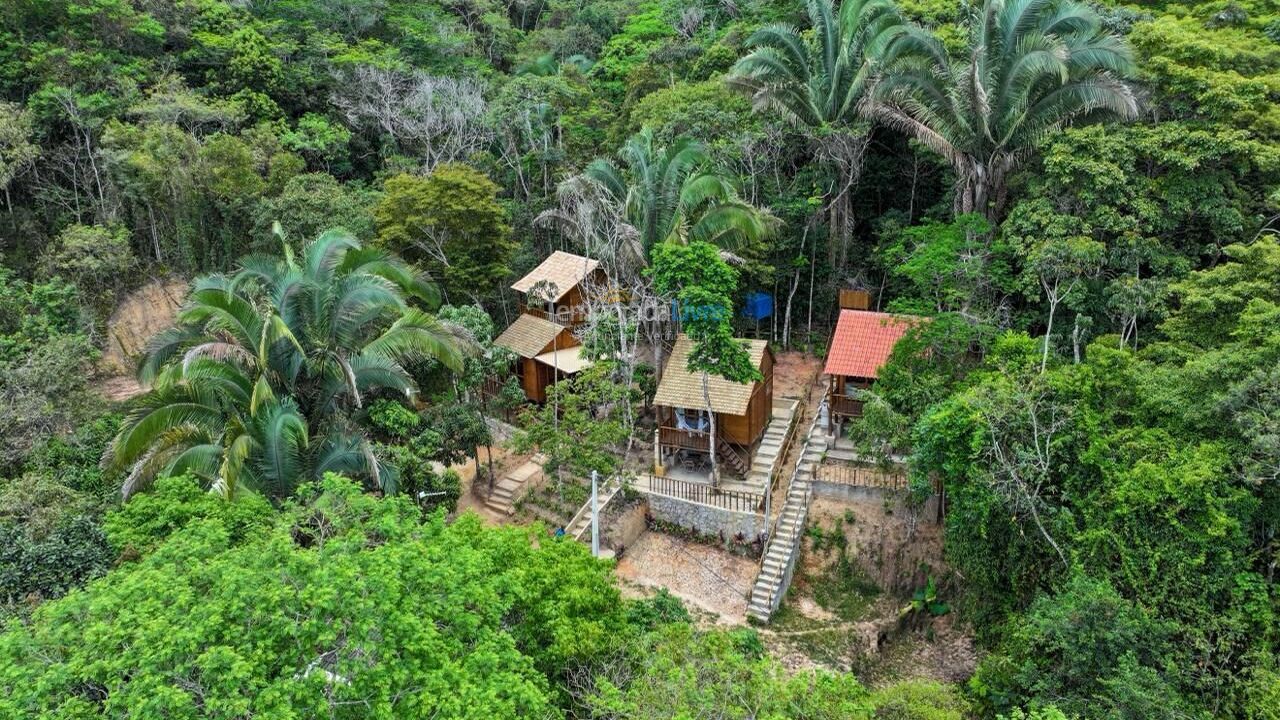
860	346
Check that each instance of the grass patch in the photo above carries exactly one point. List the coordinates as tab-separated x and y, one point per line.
845	591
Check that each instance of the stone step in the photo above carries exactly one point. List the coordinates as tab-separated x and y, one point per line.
765	587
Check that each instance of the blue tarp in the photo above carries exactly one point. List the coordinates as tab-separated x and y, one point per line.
759	306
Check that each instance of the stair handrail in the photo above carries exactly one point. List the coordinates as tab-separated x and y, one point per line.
796	469
586	507
804	516
723	444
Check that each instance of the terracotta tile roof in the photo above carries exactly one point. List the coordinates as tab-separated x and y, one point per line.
560	271
863	341
528	335
682	388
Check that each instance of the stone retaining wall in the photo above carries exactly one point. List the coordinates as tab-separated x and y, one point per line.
858	493
705	518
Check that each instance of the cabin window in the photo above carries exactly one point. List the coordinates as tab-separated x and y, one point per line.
692	419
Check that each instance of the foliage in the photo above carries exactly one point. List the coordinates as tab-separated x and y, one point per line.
391	605
687	673
151	138
671	193
450	222
139	527
33	569
1087	651
1032	69
918	700
44	393
309	204
261	358
97	261
822	86
580	426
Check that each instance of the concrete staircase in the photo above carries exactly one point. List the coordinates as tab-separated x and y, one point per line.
783	548
512	486
766	458
579	528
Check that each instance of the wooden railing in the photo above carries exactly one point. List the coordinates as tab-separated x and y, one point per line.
845	406
843	473
684	439
702	493
571	318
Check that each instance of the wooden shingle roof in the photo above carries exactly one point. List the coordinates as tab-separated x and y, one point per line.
864	340
528	335
682	388
560	272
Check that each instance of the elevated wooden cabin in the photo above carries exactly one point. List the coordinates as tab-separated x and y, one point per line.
548	352
743	410
556	289
552	303
861	345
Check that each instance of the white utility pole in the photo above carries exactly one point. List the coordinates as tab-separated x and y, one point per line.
595	516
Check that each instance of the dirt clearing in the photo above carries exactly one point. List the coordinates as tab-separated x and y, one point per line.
705	578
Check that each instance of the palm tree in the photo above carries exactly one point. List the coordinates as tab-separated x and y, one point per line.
822	85
673	194
207	418
1033	67
256	383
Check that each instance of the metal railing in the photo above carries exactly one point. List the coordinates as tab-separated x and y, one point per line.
843	473
794	550
788	441
703	494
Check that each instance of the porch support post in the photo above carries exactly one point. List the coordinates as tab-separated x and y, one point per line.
657	450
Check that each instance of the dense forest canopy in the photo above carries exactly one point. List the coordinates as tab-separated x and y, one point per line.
1083	197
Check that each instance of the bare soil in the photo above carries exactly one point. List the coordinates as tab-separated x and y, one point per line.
118	388
504	460
704	577
846	609
794	372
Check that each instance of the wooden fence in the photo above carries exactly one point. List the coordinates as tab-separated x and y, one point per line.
701	493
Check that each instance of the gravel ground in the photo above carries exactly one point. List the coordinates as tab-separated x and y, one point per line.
704	577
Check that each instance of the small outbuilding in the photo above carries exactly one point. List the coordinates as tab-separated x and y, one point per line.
861	345
557	289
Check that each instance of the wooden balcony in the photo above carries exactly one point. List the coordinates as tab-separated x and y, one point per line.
678	439
568	317
844	406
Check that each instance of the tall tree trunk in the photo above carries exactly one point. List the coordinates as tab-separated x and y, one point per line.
1048	331
711	427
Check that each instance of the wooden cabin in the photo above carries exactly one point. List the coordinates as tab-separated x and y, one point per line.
860	346
552	303
548	352
743	410
556	290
